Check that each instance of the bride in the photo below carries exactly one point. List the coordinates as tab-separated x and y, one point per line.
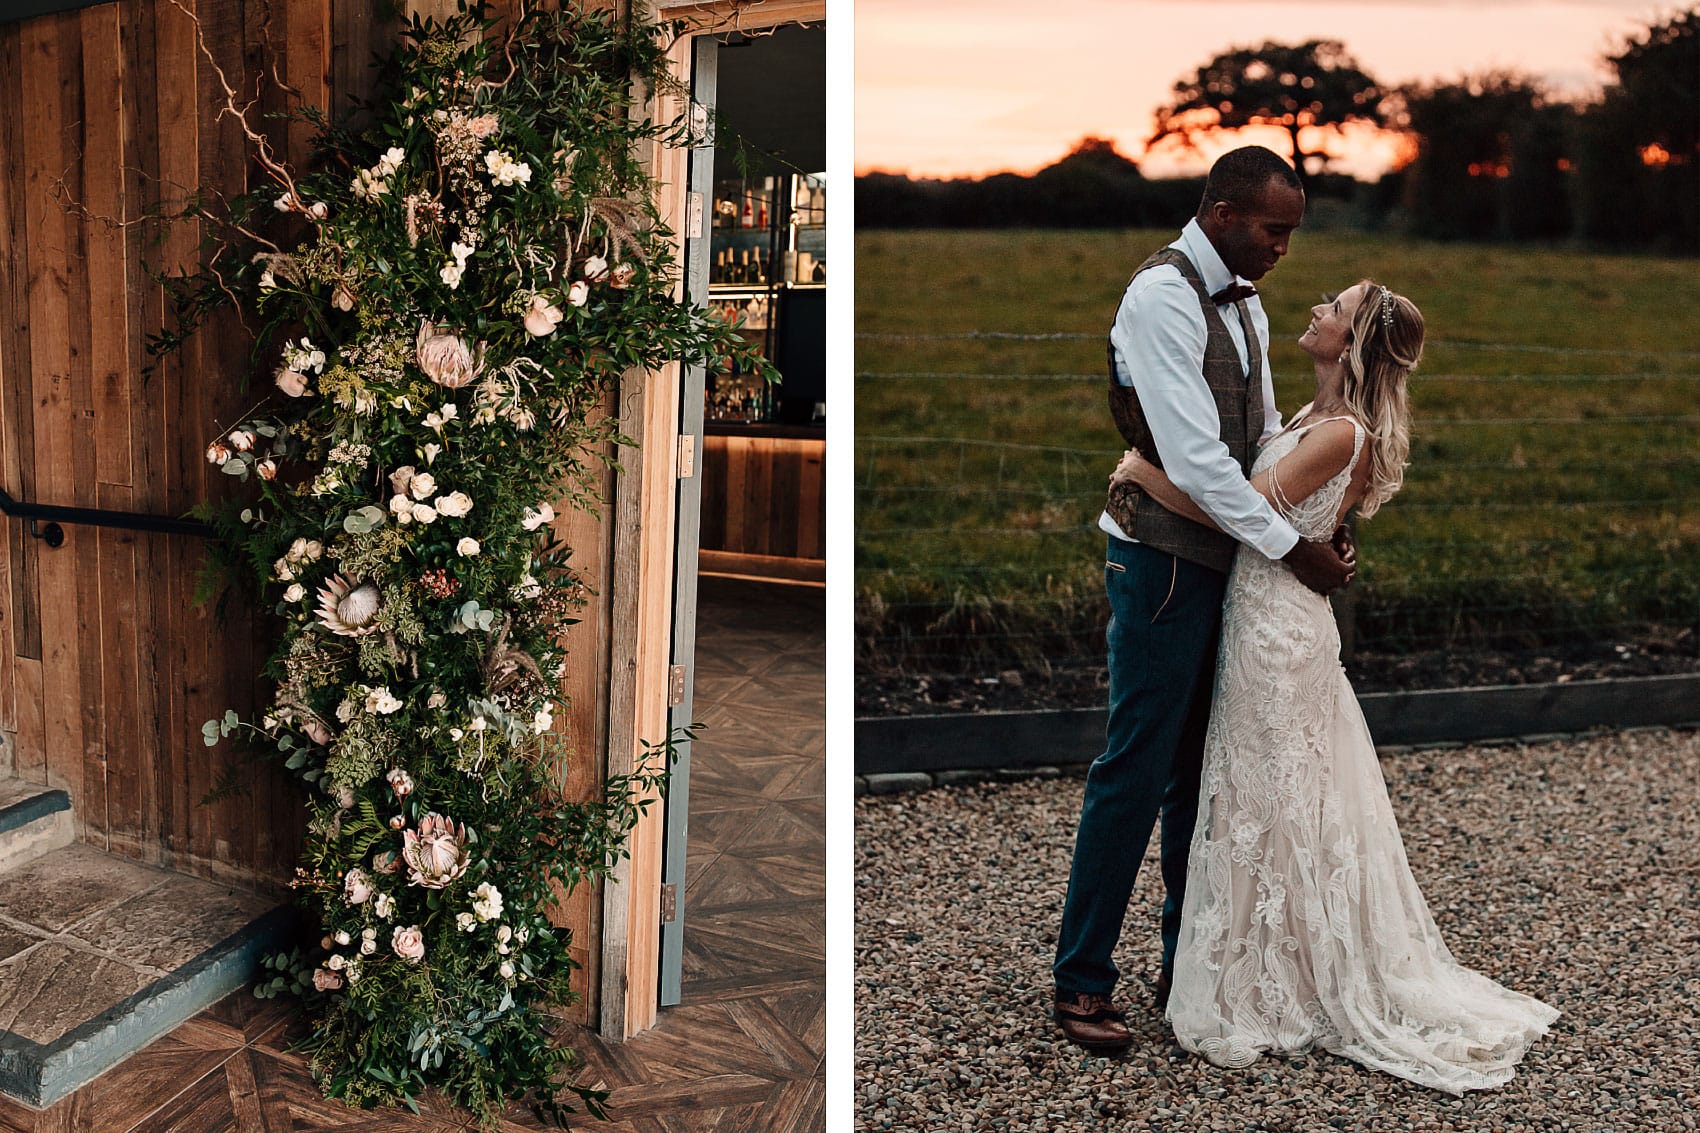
1301	925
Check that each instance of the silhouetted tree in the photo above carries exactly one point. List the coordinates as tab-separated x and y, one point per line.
1639	147
1468	134
1314	84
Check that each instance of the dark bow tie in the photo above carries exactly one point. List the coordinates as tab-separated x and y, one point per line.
1233	293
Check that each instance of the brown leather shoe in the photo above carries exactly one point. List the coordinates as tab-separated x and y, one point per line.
1092	1022
1161	994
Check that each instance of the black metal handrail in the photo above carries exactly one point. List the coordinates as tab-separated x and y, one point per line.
52	515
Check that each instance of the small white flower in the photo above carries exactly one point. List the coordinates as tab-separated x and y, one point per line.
506	969
336	962
268	282
346	710
391	160
462	252
503	934
595	268
455	734
295	593
484	415
384	905
424	513
430	453
533	518
401	507
436	700
380	702
579	293
313	549
284	203
320	210
342	937
467	547
466	922
487	902
542	722
451	275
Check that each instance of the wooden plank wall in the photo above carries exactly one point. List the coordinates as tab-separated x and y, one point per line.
764	496
107	666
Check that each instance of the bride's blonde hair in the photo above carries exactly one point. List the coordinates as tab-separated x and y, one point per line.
1386	345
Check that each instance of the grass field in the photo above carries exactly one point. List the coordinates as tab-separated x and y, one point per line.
1554	470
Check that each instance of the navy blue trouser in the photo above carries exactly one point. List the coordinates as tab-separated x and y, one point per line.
1165	618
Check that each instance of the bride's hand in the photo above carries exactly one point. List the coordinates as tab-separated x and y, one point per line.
1132	469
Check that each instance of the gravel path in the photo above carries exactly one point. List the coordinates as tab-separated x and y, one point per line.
1568	869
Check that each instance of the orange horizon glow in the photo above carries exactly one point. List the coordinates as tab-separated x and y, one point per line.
970	88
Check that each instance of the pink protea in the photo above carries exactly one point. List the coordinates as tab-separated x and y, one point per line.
348	609
436	854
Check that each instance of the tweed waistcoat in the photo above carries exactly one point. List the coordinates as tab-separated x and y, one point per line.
1239	407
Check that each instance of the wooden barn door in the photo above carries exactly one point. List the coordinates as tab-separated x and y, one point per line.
699	192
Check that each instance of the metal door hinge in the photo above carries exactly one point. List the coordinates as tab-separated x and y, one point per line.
687	455
669	904
693	225
675	685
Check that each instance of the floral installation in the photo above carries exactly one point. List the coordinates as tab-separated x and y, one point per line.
446	297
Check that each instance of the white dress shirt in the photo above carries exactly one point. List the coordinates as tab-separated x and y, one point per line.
1158	339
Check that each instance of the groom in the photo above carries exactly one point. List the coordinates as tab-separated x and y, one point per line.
1190	388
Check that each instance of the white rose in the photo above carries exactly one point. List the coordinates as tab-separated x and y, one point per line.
342	937
542	317
295	593
401	507
424	513
455	504
542	722
467	547
466	922
423	485
384	905
292	383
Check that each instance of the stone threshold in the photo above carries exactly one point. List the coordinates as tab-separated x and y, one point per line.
101	955
39	1074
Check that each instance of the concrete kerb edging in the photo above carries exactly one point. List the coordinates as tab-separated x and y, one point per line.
901	753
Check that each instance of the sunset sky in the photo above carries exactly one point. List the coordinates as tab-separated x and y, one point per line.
950	88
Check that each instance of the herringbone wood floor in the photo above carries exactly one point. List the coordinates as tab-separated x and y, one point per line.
745	1051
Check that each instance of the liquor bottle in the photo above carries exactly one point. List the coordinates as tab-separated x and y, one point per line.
749	216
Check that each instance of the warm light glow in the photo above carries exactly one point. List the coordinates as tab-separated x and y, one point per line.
1488	169
1655	155
966	88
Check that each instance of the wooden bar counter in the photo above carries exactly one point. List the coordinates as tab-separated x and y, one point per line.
764	501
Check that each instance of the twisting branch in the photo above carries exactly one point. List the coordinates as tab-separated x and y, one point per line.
278	171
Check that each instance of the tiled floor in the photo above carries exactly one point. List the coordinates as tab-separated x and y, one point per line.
746	1050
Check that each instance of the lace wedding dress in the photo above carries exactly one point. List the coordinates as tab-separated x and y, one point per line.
1302	926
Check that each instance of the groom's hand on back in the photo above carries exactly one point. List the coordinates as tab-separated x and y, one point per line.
1319	565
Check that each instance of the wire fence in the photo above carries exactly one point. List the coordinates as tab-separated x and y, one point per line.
1552	504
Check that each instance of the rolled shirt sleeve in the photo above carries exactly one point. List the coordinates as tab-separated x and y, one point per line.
1159	336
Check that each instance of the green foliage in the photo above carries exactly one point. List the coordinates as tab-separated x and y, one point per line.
447	298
